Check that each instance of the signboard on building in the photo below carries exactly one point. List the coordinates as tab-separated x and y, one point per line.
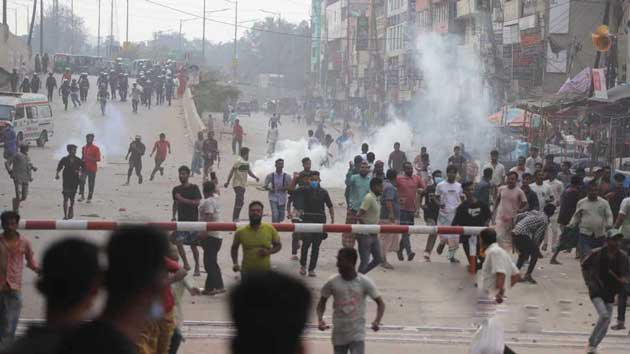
599	84
363	33
316	25
556	62
559	12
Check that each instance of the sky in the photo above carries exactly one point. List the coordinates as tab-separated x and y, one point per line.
146	18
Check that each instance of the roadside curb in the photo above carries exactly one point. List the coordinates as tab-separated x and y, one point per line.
192	121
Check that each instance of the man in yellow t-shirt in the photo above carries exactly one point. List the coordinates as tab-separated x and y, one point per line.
259	241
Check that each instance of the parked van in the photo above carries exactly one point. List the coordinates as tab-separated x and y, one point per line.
29	114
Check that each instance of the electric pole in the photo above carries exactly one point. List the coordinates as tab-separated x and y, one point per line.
30	32
203	35
98	35
71	26
127	26
4	12
180	35
111	31
235	59
41	27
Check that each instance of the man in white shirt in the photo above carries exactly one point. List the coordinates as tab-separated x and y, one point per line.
542	190
450	193
498	170
498	272
530	163
556	187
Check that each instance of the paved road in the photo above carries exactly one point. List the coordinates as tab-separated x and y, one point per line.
433	296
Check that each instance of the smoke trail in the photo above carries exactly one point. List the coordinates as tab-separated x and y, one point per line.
453	102
107	131
292	151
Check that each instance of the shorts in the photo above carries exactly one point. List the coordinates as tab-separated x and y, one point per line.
186	237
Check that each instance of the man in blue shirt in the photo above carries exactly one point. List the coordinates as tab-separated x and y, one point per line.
10	142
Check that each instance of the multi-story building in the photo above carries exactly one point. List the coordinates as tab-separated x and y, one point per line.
400	50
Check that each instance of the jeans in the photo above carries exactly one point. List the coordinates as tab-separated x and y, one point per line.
176	341
211	247
431	239
604	311
196	164
352	348
296	237
75	100
309	240
10	307
622	301
587	243
91	179
528	249
239	199
134	105
406	218
369	245
277	212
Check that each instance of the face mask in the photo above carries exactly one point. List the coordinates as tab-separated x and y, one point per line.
438	180
255	221
314	184
157	310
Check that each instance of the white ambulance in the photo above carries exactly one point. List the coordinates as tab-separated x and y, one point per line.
29	114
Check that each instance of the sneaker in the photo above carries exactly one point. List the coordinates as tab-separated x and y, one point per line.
400	256
427	257
618	327
528	279
312	274
387	265
140	180
454	260
591	350
554	261
302	271
440	247
89	201
411	256
81	198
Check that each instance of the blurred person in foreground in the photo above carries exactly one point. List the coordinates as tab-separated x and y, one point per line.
606	273
269	311
134	281
15	248
69	282
349	290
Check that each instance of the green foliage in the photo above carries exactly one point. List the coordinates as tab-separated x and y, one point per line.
211	96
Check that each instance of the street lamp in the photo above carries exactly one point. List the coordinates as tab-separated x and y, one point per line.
181	22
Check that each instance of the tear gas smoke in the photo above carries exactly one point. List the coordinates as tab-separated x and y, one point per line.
106	129
453	103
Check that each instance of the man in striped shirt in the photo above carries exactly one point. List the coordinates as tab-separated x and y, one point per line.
528	233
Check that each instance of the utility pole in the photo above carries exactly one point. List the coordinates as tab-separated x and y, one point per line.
180	34
235	58
98	36
127	25
56	19
4	12
30	32
72	26
203	35
111	31
41	27
349	13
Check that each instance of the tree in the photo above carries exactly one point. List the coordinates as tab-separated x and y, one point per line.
60	36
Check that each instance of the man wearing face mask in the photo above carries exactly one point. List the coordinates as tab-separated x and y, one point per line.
259	240
313	199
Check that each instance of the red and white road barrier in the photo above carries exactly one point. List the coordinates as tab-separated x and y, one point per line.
105	225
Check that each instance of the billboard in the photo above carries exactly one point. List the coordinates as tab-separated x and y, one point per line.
316	26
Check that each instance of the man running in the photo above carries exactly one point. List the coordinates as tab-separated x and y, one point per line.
186	199
136	94
450	194
240	171
409	187
397	158
510	201
210	150
349	290
72	168
91	155
471	212
237	136
160	148
19	167
459	161
431	211
134	155
528	233
369	213
259	241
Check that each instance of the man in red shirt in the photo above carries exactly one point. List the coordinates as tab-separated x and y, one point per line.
14	250
237	137
160	148
91	155
409	186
